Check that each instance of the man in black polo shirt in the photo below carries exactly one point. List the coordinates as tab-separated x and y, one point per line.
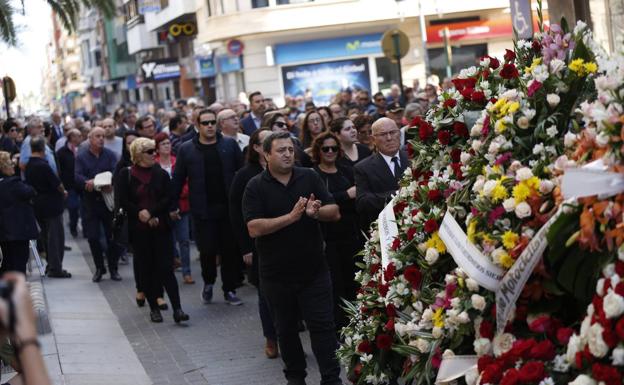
282	207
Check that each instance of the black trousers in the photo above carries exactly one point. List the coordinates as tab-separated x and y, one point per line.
215	237
98	217
341	260
153	254
15	256
54	235
313	301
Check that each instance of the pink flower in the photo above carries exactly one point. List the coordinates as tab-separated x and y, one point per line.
533	88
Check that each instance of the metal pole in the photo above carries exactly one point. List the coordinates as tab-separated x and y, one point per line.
6	97
397	55
448	53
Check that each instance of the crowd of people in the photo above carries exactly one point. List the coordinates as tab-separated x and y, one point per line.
280	195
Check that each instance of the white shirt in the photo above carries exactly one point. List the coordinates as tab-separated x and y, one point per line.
257	121
389	162
242	140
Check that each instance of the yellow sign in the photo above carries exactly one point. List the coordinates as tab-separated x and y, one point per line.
186	29
394	44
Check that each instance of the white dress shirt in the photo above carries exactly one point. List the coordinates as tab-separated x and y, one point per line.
389	162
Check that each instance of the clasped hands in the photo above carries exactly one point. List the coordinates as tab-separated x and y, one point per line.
146	217
309	205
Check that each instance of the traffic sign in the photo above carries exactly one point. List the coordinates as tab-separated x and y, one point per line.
394	44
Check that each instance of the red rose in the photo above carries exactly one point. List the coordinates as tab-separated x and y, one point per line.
492	374
365	347
483	362
396	244
485	74
434	195
478	97
375	268
410	151
521	313
619	328
544	350
494	63
449	103
410	233
509	55
607	373
413	276
383	289
533	88
619	268
609	335
391	310
384	341
511	377
563	335
425	131
521	348
431	226
455	154
466	93
532	371
509	71
399	207
389	272
541	324
444	137
486	329
537	47
460	129
390	325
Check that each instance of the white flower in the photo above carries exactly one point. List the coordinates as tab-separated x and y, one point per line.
488	187
546	186
427	315
597	346
494	147
538	149
553	100
437	332
509	204
617	356
463	318
471	284
613	304
569	139
502	343
556	66
523	122
485	62
464	157
602	139
560	364
523	174
552	131
497	254
529	113
482	346
583	379
432	255
547	381
478	185
422	345
523	210
575	345
476	145
478	302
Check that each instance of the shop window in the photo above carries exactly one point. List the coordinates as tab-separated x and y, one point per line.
461	57
387	74
283	2
259	3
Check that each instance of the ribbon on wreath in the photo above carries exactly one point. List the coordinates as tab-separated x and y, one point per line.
388	231
591	179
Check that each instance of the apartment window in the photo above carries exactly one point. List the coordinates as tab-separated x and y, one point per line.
283	2
131	10
259	3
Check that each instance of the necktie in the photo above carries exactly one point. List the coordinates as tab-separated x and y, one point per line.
397	168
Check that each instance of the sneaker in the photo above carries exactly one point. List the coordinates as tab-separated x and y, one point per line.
206	294
232	299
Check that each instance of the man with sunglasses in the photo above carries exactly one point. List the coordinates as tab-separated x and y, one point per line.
229	124
209	162
9	135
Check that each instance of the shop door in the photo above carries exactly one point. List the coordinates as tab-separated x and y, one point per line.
387	74
462	57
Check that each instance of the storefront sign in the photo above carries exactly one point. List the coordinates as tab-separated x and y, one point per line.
521	17
313	50
206	67
229	64
146	6
184	29
162	69
325	80
235	47
481	29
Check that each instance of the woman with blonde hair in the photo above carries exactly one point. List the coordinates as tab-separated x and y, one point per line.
143	191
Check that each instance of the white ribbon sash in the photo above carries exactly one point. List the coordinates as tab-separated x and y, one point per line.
455	367
591	179
388	230
467	256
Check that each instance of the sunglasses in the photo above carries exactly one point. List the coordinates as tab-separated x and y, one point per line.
280	124
327	149
208	122
150	151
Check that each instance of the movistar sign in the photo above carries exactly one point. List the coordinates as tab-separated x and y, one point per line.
161	69
340	47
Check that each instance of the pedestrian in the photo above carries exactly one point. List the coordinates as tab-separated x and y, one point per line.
89	163
352	152
380	106
376	177
111	141
146	127
282	207
48	204
252	122
177	128
9	136
228	123
181	227
342	238
143	191
363	125
326	114
57	127
277	123
255	164
209	162
35	129
66	156
312	125
17	217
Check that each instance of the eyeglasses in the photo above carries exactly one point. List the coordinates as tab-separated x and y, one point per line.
389	134
208	122
280	124
315	120
150	151
13	129
327	149
231	117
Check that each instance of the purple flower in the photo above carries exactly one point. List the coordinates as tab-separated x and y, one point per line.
495	214
503	159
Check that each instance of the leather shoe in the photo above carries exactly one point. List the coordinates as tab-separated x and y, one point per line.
140	299
162	305
97	276
155	316
115	275
188	280
270	349
179	316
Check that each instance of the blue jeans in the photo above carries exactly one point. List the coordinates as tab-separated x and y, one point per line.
181	230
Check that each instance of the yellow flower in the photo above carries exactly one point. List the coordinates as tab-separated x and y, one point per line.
535	63
499	192
521	192
510	239
591	67
496	169
533	182
436	243
506	261
513	107
500	126
577	66
437	318
470	232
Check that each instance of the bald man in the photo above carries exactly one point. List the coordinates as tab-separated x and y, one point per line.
95	160
229	124
112	142
376	177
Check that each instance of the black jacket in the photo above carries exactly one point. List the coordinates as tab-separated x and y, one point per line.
49	200
237	190
17	217
66	161
190	164
375	184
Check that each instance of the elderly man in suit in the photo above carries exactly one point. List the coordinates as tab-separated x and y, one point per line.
376	177
252	122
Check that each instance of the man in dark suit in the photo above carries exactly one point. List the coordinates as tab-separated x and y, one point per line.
57	128
376	177
66	157
253	121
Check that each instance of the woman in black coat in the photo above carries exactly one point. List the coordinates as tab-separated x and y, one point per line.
17	217
143	191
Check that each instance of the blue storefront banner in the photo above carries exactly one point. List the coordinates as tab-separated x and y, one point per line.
326	79
229	63
314	50
206	67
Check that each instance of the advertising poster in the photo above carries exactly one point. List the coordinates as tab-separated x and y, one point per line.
325	80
